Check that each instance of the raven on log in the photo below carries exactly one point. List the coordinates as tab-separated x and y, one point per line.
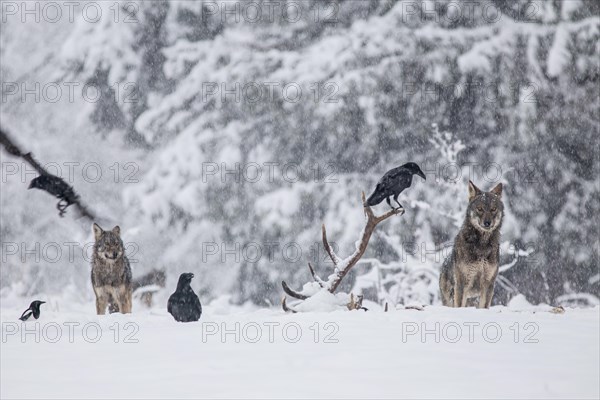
57	188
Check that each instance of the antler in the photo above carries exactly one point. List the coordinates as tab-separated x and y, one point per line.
343	266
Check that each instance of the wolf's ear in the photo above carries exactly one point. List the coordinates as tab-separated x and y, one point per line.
97	231
116	230
473	191
497	190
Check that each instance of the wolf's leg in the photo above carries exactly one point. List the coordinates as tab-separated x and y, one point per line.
459	291
465	298
446	291
483	295
127	303
113	307
101	302
489	295
125	299
450	297
443	295
115	304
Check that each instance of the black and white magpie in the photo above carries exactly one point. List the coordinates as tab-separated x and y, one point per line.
34	309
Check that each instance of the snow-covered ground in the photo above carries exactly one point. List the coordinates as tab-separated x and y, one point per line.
517	351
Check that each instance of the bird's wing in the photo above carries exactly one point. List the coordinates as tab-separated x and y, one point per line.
380	187
386	183
197	304
394	173
389	179
170	303
177	300
26	314
185	307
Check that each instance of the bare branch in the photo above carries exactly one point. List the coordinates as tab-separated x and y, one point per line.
10	146
371	223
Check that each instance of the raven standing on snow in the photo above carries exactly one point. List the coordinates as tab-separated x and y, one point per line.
184	305
34	309
393	183
56	187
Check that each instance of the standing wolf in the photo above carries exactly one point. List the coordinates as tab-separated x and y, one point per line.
472	267
111	273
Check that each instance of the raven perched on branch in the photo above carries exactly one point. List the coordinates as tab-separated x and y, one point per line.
393	183
46	181
57	188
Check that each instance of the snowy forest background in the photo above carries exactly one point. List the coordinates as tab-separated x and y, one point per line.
512	88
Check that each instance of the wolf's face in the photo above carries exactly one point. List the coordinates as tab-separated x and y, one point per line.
109	245
485	209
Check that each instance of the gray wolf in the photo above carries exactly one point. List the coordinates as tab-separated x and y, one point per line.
472	267
111	272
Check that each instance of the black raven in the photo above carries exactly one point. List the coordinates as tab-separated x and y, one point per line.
184	305
393	183
56	187
34	309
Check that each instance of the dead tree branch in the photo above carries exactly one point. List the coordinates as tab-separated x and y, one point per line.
13	149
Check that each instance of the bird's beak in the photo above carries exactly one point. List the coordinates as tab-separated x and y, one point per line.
422	175
42	302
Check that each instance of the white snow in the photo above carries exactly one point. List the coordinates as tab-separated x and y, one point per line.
356	354
570	7
559	56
